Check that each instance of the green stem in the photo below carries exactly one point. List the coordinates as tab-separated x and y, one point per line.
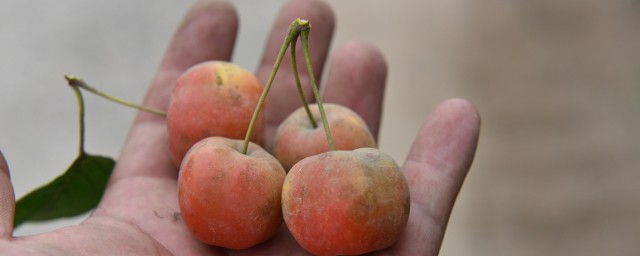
305	44
75	81
294	29
81	117
294	65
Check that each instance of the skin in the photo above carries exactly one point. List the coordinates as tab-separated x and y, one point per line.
136	214
213	98
296	138
227	198
346	202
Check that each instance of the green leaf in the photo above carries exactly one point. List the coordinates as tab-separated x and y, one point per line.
75	192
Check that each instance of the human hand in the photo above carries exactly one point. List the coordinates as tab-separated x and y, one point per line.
139	212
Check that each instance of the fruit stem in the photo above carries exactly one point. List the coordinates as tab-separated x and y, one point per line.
294	65
80	99
75	81
294	30
304	36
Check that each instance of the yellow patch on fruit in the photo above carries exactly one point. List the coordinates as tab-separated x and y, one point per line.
387	163
226	74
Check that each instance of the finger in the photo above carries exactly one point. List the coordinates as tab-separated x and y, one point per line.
7	201
435	170
356	79
207	32
283	97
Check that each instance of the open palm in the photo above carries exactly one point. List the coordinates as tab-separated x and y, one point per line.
139	212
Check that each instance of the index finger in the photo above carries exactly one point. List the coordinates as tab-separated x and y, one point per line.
207	32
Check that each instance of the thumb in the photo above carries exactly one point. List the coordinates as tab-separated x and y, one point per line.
7	201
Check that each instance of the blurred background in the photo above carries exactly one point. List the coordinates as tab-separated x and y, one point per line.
557	84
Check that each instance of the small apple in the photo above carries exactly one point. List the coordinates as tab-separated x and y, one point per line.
213	98
228	198
346	202
297	138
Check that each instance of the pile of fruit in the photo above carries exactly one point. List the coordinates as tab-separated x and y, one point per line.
321	175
